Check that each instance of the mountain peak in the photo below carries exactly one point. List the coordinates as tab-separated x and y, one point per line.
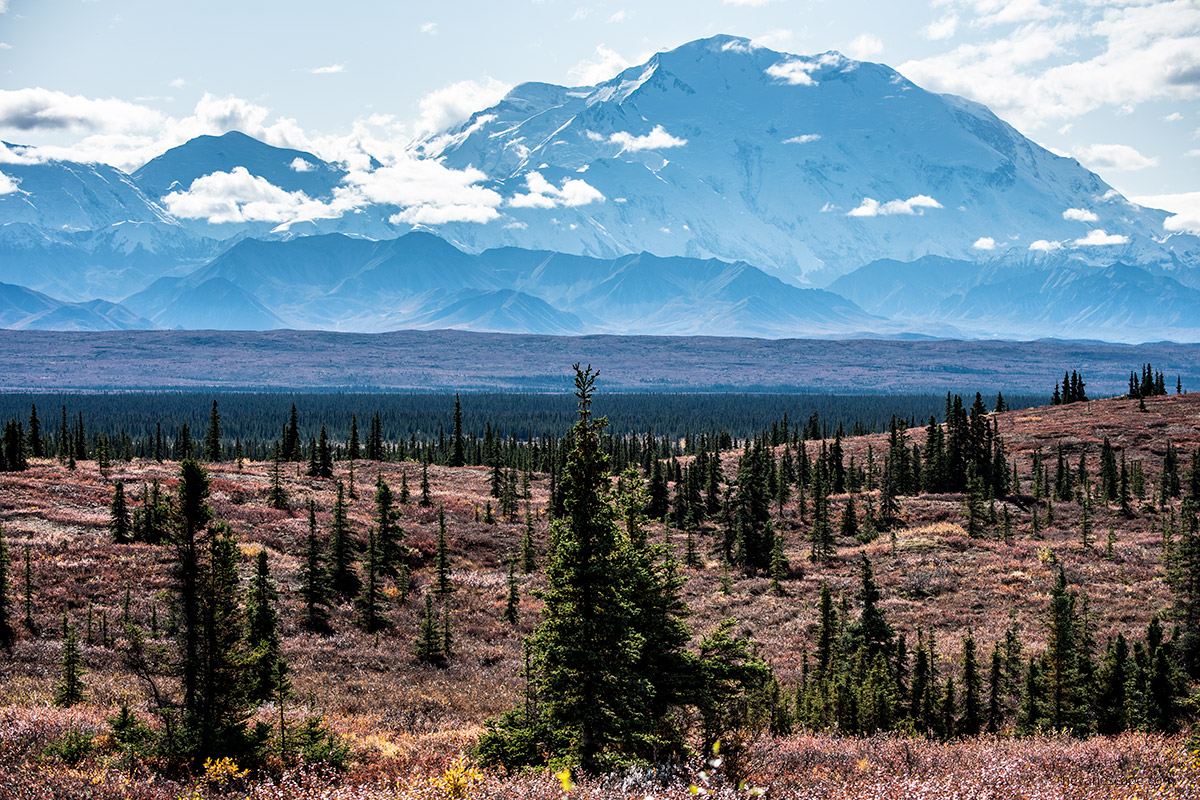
291	170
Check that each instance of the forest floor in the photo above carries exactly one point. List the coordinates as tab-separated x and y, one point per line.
406	722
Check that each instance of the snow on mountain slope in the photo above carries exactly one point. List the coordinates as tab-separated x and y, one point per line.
69	195
806	166
290	170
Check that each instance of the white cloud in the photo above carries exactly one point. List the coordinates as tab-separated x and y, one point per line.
46	110
803	138
1038	63
770	39
3	6
1193	153
656	139
1080	215
1184	207
300	165
1099	238
177	83
1044	246
942	28
870	207
795	72
429	28
752	3
429	192
449	106
864	46
7	185
985	243
606	64
5	46
238	196
1174	116
999	12
619	16
332	69
1119	157
543	194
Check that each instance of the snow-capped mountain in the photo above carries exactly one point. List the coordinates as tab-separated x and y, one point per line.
692	194
807	166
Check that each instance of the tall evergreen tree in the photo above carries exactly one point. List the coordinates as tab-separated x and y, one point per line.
609	653
388	533
212	437
262	629
429	642
370	600
37	447
458	458
314	579
426	501
324	455
971	720
120	524
342	576
353	448
218	725
69	691
291	437
512	605
191	516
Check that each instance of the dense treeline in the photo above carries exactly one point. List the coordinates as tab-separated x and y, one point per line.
256	419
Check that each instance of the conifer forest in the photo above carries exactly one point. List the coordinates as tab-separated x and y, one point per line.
480	595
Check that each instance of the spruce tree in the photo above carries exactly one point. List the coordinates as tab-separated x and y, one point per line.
429	642
212	438
608	656
996	691
69	691
353	447
218	725
823	549
120	524
388	533
342	576
37	447
324	455
370	600
971	721
314	579
512	606
262	628
291	437
458	457
425	501
849	527
1111	681
191	516
528	549
1065	702
277	498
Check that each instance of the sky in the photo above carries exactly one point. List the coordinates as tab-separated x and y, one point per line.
1114	83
